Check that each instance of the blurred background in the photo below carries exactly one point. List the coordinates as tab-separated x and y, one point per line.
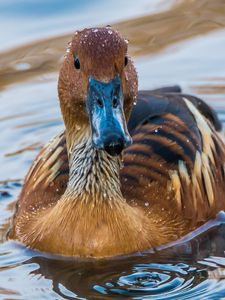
171	42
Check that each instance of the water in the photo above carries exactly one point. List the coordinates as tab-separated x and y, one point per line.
29	116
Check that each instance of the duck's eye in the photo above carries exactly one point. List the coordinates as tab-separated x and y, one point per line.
125	61
76	63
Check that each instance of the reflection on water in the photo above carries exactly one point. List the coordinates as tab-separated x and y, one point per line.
192	269
196	272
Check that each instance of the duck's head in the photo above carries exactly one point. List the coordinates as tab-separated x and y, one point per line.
97	87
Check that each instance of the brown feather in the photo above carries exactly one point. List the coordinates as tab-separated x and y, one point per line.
79	201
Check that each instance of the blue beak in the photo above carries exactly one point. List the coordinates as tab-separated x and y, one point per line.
106	115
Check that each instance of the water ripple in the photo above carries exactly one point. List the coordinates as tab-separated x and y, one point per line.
164	281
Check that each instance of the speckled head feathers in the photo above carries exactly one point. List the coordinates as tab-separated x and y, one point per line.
102	55
101	52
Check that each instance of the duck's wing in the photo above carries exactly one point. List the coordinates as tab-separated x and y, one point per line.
156	102
47	178
177	157
162	90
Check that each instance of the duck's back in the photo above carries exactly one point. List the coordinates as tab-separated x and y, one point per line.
176	161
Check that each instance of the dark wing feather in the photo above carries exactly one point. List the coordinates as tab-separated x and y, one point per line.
206	110
156	102
177	158
165	90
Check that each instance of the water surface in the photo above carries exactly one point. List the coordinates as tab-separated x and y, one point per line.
172	44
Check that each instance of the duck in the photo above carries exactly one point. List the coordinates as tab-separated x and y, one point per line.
133	170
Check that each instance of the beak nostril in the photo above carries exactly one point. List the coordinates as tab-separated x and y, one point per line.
115	102
99	102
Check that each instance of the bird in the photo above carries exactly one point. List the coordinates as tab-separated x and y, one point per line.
131	171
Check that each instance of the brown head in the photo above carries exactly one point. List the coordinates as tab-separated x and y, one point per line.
97	86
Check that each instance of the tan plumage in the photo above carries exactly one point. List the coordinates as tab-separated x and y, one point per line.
81	201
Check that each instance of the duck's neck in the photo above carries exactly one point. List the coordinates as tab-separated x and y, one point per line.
94	174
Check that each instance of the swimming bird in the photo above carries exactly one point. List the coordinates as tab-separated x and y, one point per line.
131	171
